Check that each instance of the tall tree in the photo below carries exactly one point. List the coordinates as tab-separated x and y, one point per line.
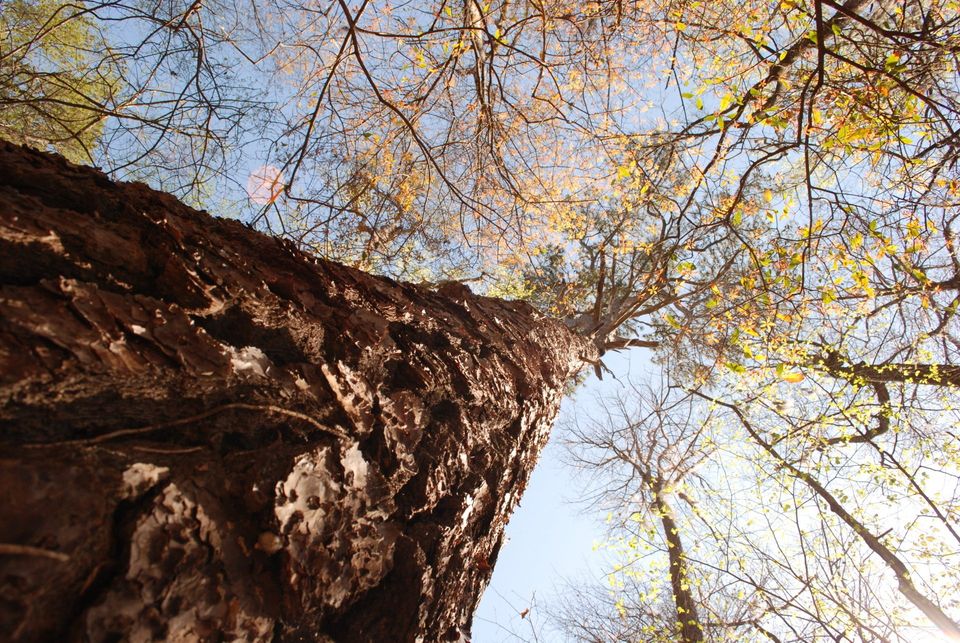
821	136
643	456
207	433
780	537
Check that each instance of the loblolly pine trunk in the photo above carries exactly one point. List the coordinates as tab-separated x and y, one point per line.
206	434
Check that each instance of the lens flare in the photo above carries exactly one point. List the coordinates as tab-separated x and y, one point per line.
265	184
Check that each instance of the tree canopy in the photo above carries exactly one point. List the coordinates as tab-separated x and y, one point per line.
764	192
53	83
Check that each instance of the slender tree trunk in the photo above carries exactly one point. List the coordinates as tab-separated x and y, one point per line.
689	627
206	434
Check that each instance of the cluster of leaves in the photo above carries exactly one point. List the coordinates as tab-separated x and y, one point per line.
798	510
54	87
812	481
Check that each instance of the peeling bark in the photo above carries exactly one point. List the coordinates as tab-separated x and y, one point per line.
206	434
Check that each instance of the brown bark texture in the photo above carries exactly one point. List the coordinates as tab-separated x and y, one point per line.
206	434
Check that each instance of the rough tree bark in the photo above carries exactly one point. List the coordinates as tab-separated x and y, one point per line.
206	434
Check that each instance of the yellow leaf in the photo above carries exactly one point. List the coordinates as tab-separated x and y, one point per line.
793	378
768	195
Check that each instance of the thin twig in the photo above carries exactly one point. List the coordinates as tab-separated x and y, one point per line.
11	549
194	418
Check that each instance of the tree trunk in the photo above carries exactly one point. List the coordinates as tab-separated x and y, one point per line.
206	434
